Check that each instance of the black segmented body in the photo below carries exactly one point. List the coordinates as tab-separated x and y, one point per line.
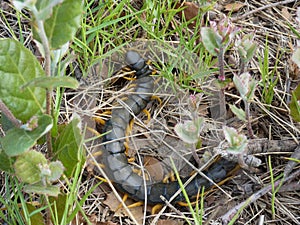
115	161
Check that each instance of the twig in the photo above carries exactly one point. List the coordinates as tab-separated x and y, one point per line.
8	114
235	210
293	186
171	206
234	19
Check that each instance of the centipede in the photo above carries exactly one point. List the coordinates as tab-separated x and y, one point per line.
115	161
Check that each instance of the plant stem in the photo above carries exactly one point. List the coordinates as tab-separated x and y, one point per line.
47	68
249	127
242	66
196	157
221	64
9	115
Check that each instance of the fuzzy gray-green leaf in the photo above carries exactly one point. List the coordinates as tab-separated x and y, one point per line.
63	23
27	166
238	112
211	40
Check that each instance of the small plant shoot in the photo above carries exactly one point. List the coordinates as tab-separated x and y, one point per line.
237	142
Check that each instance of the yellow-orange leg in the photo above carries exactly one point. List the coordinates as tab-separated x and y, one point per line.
156	208
154	97
102	121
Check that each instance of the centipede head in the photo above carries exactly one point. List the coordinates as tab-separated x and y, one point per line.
134	60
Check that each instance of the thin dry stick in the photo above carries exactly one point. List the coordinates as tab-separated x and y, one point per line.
231	213
234	19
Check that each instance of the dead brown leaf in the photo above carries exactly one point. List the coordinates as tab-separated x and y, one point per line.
293	70
285	12
113	203
234	7
154	167
190	11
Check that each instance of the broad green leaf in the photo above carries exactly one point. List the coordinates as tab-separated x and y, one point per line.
63	23
17	67
238	112
27	166
6	124
252	87
229	134
52	82
251	49
42	190
246	85
59	204
36	216
45	8
246	47
18	140
294	105
6	162
68	146
211	40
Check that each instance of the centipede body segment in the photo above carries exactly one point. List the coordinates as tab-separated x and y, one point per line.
117	168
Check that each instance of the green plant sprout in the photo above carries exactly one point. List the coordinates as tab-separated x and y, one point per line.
237	144
244	83
246	49
216	40
189	130
246	87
